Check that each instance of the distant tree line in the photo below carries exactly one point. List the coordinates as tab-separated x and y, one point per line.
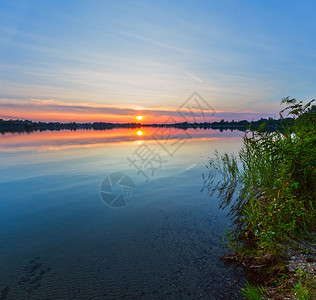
29	126
270	124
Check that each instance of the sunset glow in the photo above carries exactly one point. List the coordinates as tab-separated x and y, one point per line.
105	81
60	111
127	130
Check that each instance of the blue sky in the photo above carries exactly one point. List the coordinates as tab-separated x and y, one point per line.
241	56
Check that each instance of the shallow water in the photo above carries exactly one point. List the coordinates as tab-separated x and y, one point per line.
61	240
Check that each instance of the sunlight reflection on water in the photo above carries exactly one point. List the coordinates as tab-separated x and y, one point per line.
167	241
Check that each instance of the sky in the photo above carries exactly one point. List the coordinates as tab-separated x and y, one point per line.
87	61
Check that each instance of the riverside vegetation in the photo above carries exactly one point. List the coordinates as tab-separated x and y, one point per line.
269	189
30	126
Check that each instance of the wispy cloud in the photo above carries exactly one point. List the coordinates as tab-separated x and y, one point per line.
194	77
52	110
153	54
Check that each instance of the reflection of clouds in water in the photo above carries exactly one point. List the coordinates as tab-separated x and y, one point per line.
56	140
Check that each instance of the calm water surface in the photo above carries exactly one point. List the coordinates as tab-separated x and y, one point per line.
60	240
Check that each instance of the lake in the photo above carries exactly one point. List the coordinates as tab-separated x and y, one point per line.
112	214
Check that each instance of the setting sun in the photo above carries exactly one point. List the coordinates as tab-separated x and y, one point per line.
139	132
139	118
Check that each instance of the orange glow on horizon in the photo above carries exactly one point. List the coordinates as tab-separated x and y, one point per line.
67	114
65	117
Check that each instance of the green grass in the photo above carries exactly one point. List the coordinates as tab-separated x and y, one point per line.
269	187
251	292
300	291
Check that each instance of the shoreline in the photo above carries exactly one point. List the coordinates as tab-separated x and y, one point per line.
274	212
30	126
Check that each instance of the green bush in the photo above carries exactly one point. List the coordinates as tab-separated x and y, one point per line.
251	292
269	186
300	291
